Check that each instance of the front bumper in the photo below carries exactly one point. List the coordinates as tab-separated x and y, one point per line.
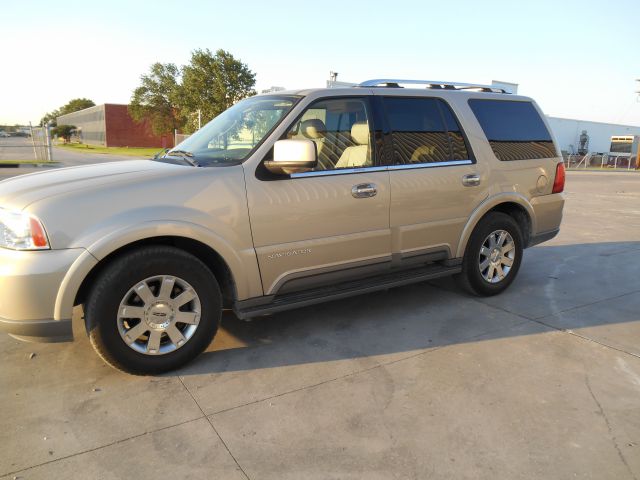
38	330
29	285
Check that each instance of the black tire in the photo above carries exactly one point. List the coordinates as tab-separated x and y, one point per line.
471	278
125	272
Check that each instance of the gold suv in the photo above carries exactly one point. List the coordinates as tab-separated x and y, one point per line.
282	201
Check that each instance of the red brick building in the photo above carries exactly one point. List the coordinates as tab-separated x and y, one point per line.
110	125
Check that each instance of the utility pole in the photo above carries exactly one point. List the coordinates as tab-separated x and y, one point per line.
199	118
47	137
637	100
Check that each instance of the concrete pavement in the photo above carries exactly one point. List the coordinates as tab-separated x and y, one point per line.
419	382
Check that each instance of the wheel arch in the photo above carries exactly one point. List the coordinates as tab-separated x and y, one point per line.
513	205
212	259
79	279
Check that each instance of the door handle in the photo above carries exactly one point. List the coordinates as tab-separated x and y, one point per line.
472	180
364	190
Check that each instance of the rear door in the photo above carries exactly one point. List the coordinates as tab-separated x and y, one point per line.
435	180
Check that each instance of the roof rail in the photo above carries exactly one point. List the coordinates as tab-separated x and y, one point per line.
435	84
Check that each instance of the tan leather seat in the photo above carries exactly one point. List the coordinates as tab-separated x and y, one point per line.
357	155
315	129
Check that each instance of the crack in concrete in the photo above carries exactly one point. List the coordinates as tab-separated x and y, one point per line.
123	440
360	372
577	307
539	321
100	447
609	428
525	318
618	252
215	430
204	415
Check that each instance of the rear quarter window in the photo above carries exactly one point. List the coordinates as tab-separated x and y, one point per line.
514	129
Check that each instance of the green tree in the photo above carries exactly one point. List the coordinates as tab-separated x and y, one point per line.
76	105
64	131
156	98
211	84
50	117
72	106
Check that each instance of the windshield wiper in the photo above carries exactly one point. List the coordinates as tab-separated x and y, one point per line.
186	156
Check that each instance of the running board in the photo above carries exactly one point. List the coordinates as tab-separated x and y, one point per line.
254	307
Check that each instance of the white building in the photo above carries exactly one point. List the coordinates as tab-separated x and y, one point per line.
567	132
273	90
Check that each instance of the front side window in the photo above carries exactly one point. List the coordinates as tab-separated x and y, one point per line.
424	130
340	129
514	129
233	135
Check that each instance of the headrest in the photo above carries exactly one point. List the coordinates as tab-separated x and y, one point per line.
360	133
313	128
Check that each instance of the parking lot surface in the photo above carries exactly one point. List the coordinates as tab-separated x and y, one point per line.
419	382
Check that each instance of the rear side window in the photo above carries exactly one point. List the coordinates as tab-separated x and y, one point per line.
514	129
424	130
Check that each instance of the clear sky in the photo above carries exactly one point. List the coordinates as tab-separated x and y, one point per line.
578	59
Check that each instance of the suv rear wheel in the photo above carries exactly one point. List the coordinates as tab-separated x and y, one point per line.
153	310
493	255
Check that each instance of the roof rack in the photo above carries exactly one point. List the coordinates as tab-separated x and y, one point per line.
434	84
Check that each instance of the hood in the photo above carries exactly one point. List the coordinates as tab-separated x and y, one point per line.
20	192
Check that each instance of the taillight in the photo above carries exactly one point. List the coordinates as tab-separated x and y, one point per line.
558	183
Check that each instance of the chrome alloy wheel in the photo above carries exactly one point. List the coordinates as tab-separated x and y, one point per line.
497	255
159	315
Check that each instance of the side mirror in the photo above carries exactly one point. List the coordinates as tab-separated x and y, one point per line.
292	156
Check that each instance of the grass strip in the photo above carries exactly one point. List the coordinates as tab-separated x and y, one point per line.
129	151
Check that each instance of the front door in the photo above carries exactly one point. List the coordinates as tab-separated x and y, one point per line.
329	225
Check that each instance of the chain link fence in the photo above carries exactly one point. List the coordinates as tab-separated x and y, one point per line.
602	160
41	143
179	137
26	145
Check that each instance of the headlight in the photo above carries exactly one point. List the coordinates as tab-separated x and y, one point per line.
21	231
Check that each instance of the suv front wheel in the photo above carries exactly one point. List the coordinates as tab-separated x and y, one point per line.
493	255
152	310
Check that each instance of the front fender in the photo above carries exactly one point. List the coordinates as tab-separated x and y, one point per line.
488	204
70	285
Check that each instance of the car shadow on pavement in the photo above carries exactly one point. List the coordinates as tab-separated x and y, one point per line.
592	288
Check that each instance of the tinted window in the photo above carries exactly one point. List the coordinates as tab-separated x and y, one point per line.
514	129
340	130
458	147
424	131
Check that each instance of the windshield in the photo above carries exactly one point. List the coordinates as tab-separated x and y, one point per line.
233	135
